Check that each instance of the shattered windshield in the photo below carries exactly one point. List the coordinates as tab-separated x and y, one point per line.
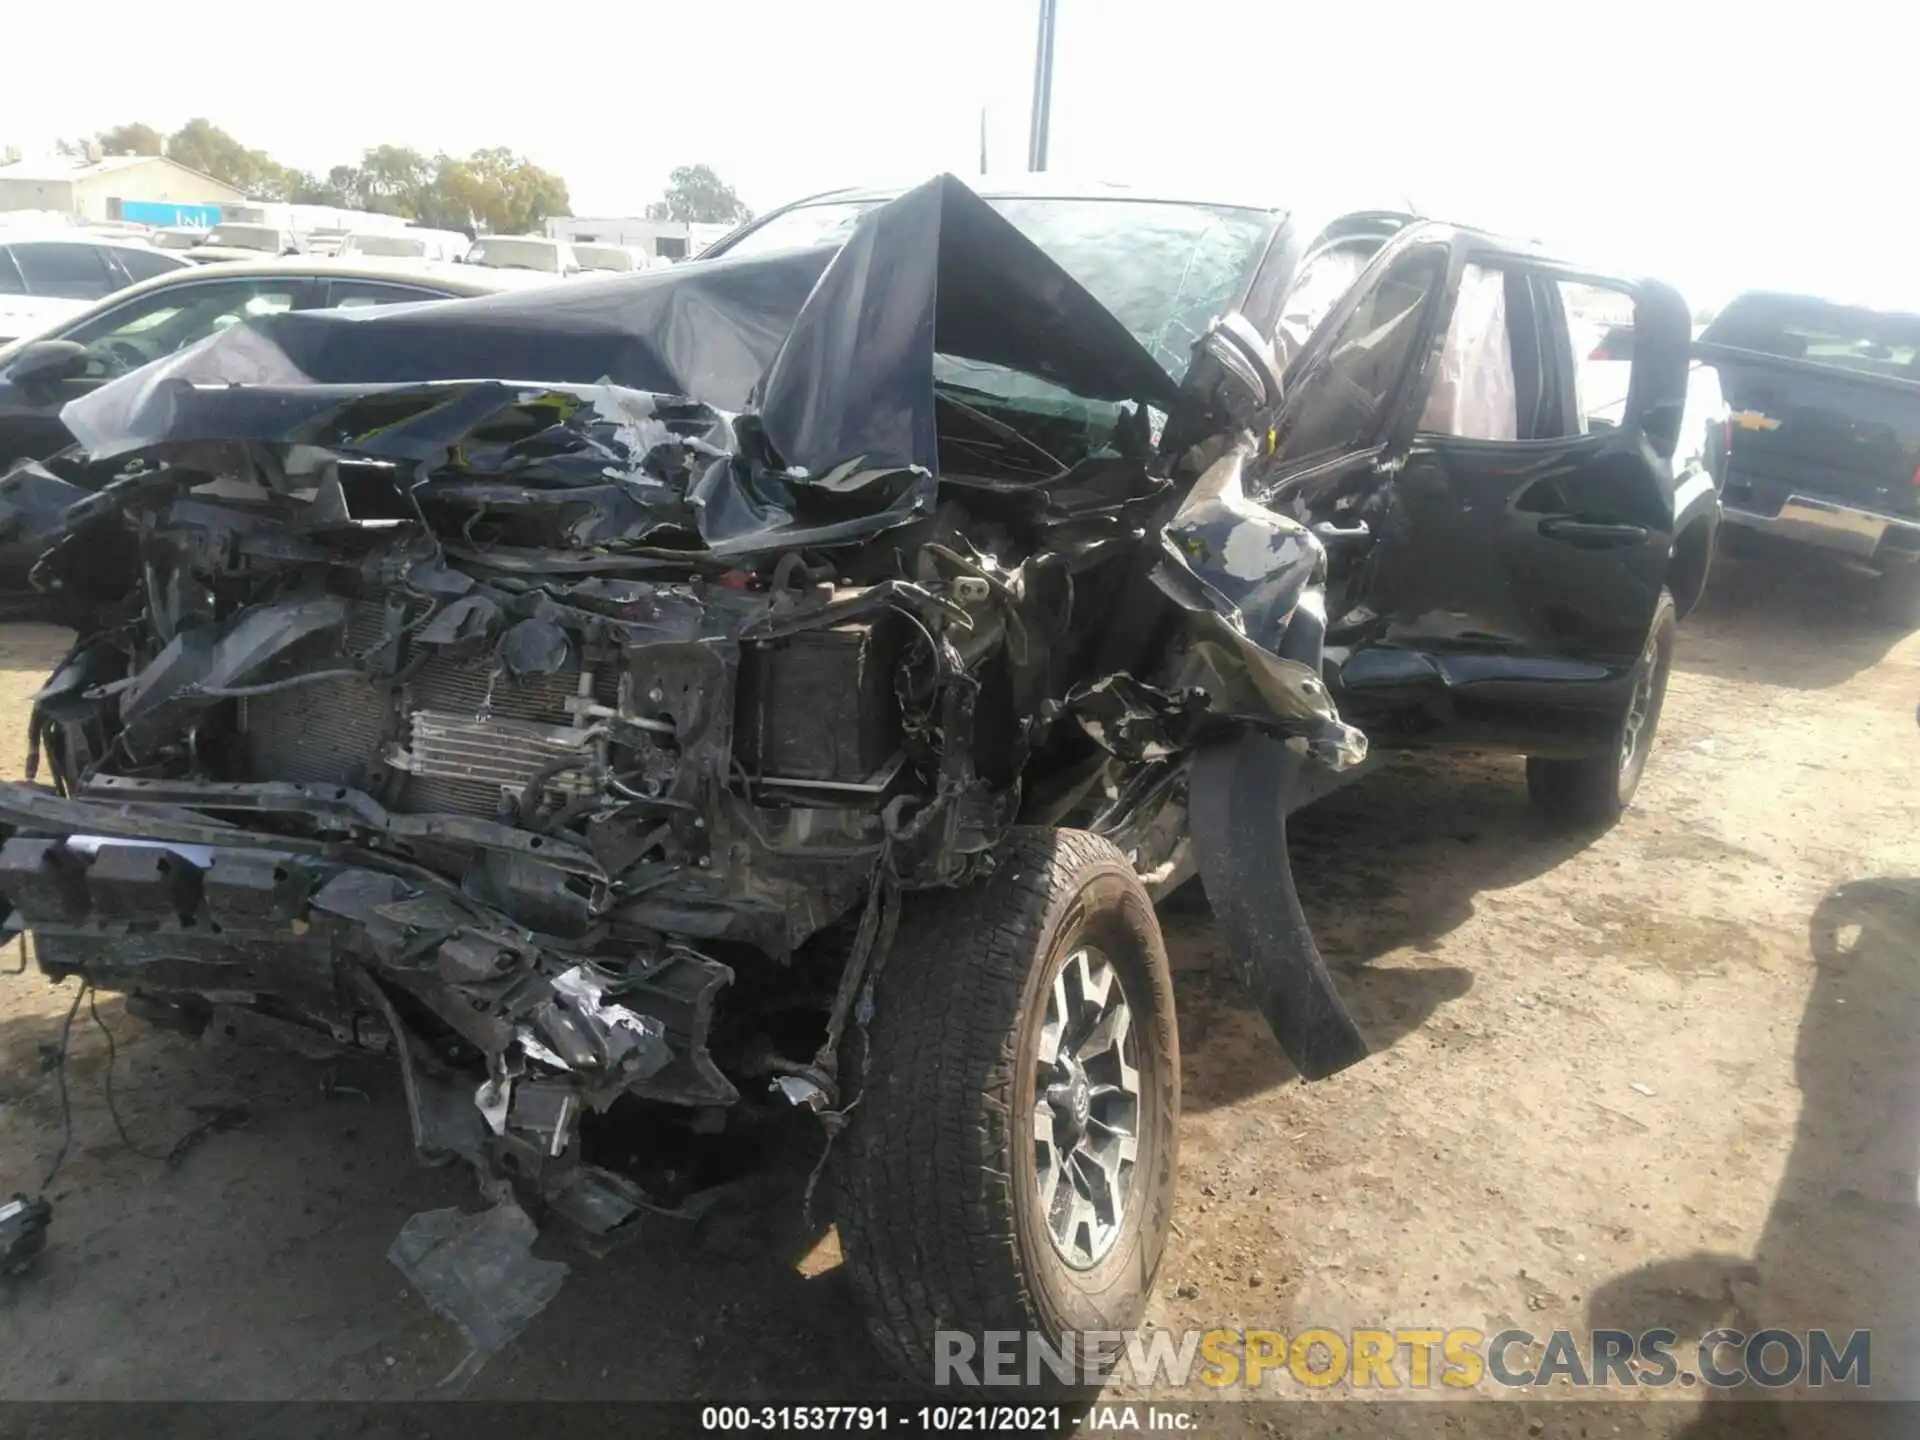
1165	268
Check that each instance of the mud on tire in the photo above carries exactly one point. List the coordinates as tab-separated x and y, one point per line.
938	1175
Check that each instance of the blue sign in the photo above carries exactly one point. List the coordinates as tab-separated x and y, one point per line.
170	212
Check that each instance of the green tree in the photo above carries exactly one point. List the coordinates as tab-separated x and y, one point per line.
493	190
393	180
201	145
696	194
134	139
340	186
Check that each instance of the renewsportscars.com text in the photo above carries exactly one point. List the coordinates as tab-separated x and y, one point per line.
1320	1358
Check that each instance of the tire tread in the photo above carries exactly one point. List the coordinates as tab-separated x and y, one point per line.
925	1199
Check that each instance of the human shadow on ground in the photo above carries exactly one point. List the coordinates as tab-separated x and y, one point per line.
1840	1249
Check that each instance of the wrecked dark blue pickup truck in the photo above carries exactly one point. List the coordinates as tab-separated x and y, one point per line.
778	686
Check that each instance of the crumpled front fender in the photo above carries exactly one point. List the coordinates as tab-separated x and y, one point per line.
1252	583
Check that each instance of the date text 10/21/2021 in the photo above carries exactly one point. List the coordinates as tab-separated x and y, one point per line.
944	1419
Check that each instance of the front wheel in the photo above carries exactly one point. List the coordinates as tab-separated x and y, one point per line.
1596	789
1009	1163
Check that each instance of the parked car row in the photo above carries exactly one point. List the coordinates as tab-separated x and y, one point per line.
779	687
46	277
142	323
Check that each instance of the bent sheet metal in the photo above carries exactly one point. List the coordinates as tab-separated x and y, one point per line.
506	684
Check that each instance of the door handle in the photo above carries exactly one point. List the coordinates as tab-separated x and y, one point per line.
1331	535
1593	534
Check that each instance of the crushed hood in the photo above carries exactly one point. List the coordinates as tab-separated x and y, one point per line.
832	349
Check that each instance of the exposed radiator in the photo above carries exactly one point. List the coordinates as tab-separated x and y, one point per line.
470	738
465	762
326	734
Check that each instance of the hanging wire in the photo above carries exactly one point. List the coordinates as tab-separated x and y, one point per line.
113	1053
60	1083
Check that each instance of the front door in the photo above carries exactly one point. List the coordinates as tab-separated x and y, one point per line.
1495	557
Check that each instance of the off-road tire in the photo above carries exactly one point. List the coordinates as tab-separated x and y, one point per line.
1596	789
936	1199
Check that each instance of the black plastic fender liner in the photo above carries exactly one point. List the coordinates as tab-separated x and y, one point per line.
1238	802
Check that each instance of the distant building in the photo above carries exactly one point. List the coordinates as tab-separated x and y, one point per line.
662	239
146	188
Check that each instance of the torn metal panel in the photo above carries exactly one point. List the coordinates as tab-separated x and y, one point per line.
1250	580
478	1271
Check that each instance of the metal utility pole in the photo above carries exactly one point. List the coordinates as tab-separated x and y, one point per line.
1042	89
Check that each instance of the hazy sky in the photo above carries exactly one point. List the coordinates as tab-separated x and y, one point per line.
1717	144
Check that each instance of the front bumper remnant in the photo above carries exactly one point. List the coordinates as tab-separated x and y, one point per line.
346	950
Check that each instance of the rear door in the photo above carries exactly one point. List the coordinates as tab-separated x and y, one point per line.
1494	558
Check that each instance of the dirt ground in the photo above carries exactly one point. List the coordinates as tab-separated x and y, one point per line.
1665	1076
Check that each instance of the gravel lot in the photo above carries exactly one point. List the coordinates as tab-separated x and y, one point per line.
1612	1086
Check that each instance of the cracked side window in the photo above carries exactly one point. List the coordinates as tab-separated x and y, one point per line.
1316	291
1343	399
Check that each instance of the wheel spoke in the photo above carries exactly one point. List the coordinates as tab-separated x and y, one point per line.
1640	703
1042	1121
1096	981
1117	1144
1062	1202
1086	1107
1109	1034
1054	1029
1099	1191
1085	1216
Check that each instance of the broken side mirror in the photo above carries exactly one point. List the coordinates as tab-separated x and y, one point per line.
48	362
1235	365
1239	366
1233	380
